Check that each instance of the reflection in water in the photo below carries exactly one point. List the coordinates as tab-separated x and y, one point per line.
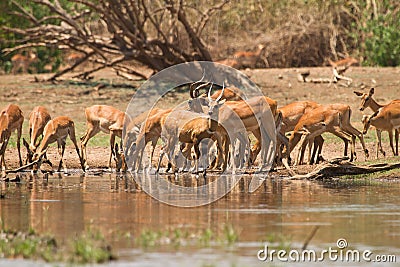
368	216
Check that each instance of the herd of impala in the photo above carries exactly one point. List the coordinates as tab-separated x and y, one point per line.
205	116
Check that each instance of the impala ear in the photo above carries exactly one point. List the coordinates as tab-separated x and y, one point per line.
365	118
221	102
371	91
304	130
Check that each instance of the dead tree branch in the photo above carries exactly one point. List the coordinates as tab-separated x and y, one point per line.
157	34
338	167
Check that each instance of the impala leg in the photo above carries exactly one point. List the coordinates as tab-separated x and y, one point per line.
222	152
153	148
209	155
235	153
164	150
345	137
59	154
91	131
29	153
303	145
311	154
49	162
255	151
61	148
311	150
112	152
353	131
319	142
171	154
186	149
283	142
135	154
3	166
2	161
30	137
257	146
197	155
346	145
162	153
396	135
216	163
391	141
379	143
293	141
19	133
73	139
140	152
248	151
353	146
242	150
267	152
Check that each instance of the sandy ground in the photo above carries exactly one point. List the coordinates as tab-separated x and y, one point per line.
71	97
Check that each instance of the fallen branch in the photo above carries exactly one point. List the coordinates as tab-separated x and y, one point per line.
313	232
336	77
23	167
339	167
286	165
303	77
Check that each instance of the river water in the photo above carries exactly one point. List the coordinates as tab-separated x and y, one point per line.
281	213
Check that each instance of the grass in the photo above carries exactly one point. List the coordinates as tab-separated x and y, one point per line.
366	179
178	237
278	241
27	245
89	247
175	238
230	235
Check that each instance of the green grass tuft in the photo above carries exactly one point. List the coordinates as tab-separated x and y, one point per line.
87	248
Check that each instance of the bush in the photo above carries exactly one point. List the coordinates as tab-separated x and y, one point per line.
382	41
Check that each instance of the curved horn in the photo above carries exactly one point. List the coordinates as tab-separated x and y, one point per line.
197	89
222	92
192	87
209	92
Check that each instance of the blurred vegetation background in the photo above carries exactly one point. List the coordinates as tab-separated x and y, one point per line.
296	33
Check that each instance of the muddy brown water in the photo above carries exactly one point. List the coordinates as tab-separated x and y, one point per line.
365	213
